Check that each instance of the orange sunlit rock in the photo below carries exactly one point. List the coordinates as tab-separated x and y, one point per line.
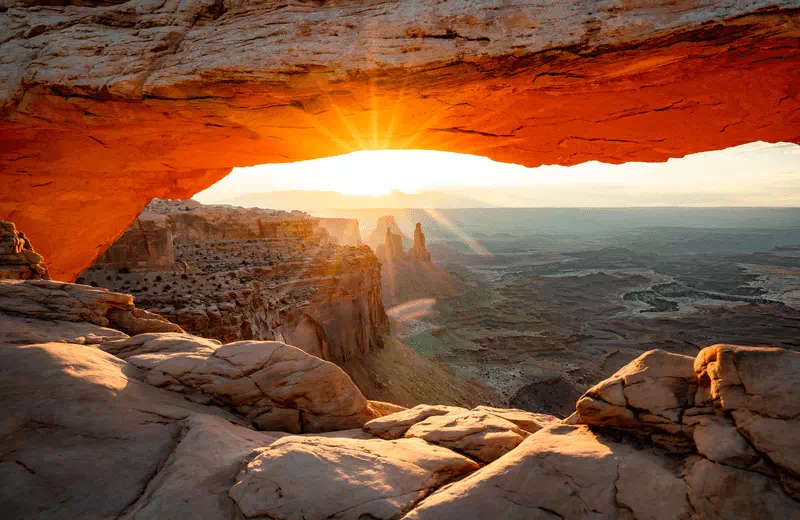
102	113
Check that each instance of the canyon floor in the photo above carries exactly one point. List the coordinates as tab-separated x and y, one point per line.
541	318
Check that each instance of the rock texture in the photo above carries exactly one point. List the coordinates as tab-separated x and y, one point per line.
291	479
83	438
34	311
344	231
484	433
419	250
18	260
275	386
566	472
232	273
521	82
385	228
731	406
167	423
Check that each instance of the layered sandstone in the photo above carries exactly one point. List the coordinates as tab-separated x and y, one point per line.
18	260
343	230
232	273
419	251
137	100
385	228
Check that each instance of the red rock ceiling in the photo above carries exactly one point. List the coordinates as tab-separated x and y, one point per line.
88	137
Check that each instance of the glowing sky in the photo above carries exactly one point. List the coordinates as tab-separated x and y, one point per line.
756	174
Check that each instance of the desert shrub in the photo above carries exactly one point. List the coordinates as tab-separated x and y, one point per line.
93	284
184	276
80	279
159	279
124	270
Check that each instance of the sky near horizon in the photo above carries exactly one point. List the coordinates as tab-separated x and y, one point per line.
755	174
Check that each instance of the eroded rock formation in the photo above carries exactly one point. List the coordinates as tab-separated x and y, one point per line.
137	100
232	273
344	230
18	260
419	251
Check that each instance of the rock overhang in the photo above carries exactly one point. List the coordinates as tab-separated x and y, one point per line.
105	107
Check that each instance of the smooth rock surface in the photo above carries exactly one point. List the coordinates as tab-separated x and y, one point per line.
565	472
274	385
482	436
395	425
314	478
81	438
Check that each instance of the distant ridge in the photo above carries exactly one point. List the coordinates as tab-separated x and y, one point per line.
332	200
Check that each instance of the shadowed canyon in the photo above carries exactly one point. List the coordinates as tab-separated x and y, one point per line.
164	358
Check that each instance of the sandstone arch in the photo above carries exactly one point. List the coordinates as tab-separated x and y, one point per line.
107	104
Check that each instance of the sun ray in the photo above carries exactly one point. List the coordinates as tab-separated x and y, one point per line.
470	242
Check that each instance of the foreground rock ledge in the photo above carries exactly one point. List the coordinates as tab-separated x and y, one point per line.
103	107
169	424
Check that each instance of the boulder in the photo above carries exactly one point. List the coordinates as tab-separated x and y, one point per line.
482	436
274	385
756	388
647	397
531	422
18	260
731	405
566	472
81	437
395	425
315	478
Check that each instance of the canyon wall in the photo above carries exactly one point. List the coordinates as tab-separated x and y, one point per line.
343	230
104	106
233	273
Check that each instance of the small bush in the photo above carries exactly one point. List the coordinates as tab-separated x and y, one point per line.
124	270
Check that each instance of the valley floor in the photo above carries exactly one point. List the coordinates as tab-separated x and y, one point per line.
541	323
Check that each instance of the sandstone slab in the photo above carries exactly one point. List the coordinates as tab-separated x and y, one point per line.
394	426
483	436
275	385
315	478
565	472
81	438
